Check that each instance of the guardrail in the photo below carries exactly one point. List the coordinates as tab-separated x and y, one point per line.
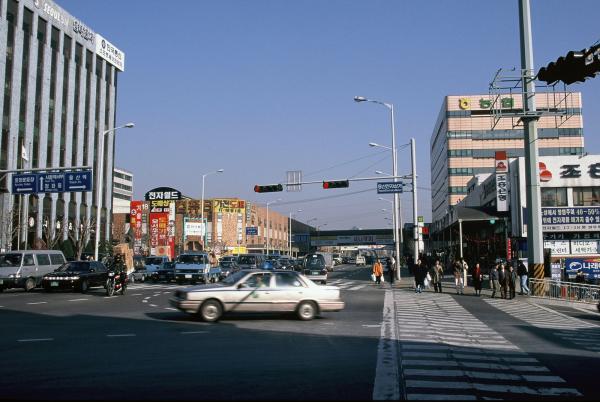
568	291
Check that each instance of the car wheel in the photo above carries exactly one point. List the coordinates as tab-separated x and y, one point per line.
323	282
211	311
306	310
29	284
84	286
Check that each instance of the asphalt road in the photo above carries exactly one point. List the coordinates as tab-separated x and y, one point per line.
134	346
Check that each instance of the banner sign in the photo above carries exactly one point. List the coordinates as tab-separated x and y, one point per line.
389	187
589	266
558	247
570	219
584	247
135	220
501	181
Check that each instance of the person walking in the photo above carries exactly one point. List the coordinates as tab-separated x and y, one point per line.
494	280
377	271
420	274
477	278
437	274
512	281
522	272
391	270
503	279
465	270
458	277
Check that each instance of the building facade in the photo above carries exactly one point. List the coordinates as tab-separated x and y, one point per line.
470	128
59	98
122	191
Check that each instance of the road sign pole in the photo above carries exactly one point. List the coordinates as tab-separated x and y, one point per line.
413	155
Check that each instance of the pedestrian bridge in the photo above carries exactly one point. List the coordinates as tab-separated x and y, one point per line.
363	237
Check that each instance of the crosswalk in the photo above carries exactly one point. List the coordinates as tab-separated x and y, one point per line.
350	284
583	335
447	353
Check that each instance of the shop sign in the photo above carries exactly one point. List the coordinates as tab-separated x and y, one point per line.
584	247
558	247
557	219
589	266
163	193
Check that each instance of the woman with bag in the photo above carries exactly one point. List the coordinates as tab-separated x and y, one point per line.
377	271
420	275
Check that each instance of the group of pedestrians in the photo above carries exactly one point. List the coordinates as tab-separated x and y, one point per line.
505	280
378	270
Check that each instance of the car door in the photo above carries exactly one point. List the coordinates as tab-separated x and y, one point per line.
254	293
288	290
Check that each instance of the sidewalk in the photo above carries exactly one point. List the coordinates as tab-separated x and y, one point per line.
448	287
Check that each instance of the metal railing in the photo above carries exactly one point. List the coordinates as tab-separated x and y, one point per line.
568	291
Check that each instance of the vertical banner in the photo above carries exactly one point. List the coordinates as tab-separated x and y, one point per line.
501	181
153	232
172	229
135	220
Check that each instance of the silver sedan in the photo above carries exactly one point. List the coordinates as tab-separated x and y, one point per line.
259	291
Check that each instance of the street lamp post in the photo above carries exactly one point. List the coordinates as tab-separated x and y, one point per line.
319	227
290	233
202	208
100	183
268	228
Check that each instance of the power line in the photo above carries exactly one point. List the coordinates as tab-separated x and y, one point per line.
343	163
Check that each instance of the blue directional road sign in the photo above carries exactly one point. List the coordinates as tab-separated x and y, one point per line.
251	231
24	183
389	187
78	181
51	182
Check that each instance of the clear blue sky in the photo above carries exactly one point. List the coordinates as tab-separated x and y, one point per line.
261	87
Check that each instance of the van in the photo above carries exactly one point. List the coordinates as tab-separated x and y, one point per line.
25	268
251	261
192	267
360	260
155	262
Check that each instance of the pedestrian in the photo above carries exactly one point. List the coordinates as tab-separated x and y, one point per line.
437	274
494	280
391	270
465	270
503	279
458	277
522	272
477	278
377	271
420	274
512	281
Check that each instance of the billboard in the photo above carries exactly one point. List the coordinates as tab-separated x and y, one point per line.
589	266
570	219
232	205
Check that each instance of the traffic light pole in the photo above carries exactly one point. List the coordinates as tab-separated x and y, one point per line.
534	214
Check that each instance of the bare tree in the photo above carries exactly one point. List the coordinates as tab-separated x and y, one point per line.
51	235
80	240
9	229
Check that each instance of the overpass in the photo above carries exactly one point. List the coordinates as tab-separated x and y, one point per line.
362	237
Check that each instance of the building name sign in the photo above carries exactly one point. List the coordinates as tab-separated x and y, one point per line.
52	11
163	193
574	171
505	103
570	219
83	31
110	53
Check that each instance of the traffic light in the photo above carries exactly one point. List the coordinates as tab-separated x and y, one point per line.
269	188
576	66
336	184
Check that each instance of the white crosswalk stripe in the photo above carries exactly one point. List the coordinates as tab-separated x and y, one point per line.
583	334
350	284
447	353
162	286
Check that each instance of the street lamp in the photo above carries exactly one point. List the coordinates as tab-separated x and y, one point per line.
290	233
319	227
202	208
268	228
100	183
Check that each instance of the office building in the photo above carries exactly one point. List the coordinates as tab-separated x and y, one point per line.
122	191
60	88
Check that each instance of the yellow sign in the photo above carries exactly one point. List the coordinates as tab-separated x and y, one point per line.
464	103
239	250
232	205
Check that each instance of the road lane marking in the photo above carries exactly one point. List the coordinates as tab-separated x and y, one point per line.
146	298
144	301
170	308
136	294
193	332
78	299
37	303
35	340
371	325
153	305
387	385
119	335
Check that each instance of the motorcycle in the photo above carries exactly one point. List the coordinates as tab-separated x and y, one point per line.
117	281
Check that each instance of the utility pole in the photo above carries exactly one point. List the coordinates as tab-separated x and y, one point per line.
532	189
413	155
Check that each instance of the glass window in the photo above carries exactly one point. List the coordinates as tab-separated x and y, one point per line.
43	259
57	259
286	280
554	197
259	281
10	260
586	196
28	260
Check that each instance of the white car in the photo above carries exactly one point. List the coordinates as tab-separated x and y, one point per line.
259	291
360	260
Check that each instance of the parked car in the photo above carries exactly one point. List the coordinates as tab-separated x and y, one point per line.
315	269
251	261
259	291
166	273
76	275
26	268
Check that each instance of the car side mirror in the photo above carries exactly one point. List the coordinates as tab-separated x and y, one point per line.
242	285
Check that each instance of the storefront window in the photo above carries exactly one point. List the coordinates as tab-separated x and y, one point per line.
554	197
586	196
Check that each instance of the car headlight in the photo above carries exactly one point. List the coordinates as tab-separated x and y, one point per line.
14	275
74	278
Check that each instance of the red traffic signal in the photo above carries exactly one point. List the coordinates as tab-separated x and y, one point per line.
576	66
336	184
269	188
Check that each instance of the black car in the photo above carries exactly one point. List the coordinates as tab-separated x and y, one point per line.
228	267
166	273
76	275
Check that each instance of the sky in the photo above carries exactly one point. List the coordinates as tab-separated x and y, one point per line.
262	87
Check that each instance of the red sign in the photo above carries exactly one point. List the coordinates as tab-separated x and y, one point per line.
135	220
508	250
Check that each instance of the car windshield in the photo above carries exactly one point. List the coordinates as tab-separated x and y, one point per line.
75	266
247	259
315	261
233	278
226	264
153	260
191	259
10	260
